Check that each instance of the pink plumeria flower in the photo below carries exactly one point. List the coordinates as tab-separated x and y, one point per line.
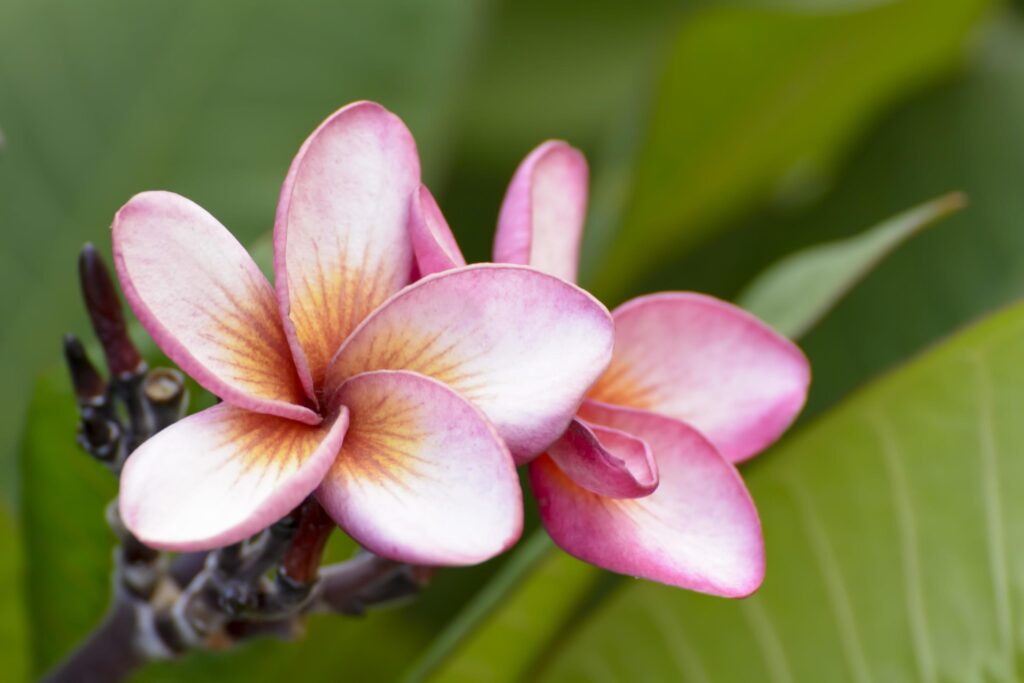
400	405
643	481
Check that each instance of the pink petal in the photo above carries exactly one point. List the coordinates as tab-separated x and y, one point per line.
541	219
606	461
522	346
422	476
205	302
341	243
710	364
223	474
699	530
432	239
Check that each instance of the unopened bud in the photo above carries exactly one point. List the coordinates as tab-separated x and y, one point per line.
89	386
104	307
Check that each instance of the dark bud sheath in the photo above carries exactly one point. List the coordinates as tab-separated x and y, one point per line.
90	388
99	435
104	307
166	397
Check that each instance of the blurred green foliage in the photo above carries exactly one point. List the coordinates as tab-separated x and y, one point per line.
965	135
722	136
759	102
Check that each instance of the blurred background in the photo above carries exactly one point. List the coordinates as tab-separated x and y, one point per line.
721	136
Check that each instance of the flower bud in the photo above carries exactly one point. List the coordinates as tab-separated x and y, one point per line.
89	386
104	307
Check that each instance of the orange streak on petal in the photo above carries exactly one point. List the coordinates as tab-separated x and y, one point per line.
621	384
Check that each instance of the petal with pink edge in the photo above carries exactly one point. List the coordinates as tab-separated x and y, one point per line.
521	345
205	302
541	218
223	474
432	239
606	461
710	364
341	242
422	476
699	530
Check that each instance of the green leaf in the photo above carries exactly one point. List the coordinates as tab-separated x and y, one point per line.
517	606
755	102
371	648
14	647
794	294
530	602
68	546
896	543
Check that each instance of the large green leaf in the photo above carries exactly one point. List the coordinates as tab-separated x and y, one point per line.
896	544
798	291
755	102
209	99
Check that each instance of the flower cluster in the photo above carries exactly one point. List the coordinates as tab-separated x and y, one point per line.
402	387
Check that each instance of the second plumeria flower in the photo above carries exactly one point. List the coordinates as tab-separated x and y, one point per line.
402	406
643	481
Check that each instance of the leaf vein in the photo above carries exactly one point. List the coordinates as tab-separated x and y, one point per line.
995	528
899	489
835	586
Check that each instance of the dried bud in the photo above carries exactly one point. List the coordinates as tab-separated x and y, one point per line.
104	308
90	388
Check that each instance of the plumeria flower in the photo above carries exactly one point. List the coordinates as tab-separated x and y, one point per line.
400	405
643	481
